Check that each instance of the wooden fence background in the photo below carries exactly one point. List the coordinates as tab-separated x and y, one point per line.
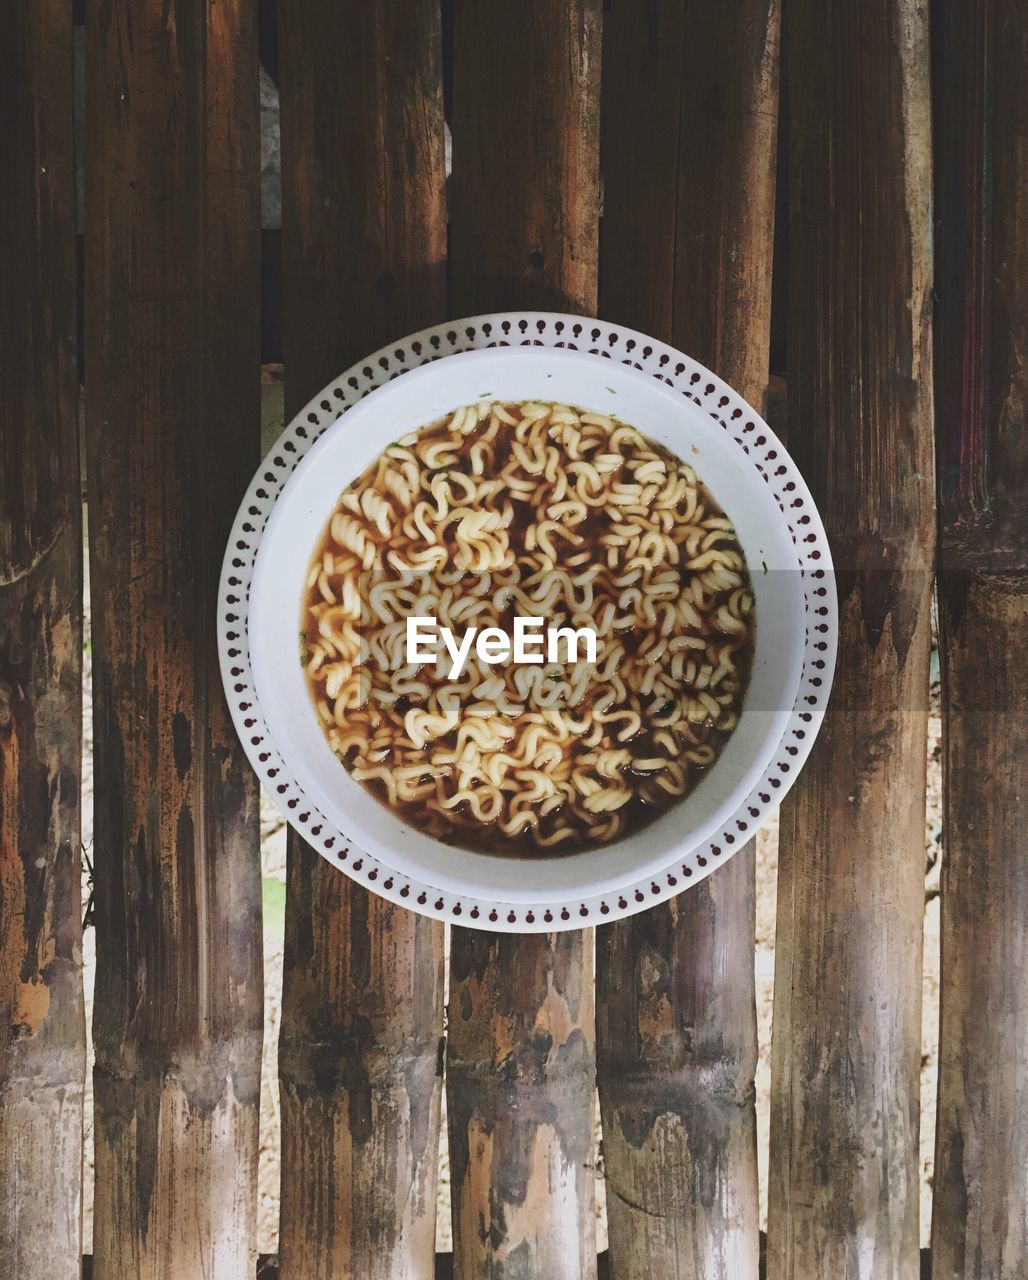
670	164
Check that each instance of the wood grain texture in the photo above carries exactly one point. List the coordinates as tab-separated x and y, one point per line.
42	1031
520	1073
364	244
980	1208
845	1068
643	79
360	1069
677	1051
172	325
525	204
525	192
726	189
363	202
980	1201
689	190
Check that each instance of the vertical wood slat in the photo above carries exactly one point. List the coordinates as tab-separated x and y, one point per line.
693	92
42	1032
520	1072
172	290
364	244
520	1048
980	1213
676	1032
845	1068
642	83
525	180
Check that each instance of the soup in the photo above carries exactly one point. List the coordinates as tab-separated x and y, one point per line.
542	511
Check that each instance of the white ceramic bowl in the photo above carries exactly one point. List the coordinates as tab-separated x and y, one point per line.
736	456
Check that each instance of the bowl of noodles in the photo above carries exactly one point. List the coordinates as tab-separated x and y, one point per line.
526	629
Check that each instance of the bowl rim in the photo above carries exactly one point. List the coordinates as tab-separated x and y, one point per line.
387	871
297	521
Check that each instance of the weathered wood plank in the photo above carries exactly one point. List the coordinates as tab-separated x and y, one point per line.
642	84
525	163
363	208
360	1067
846	1058
980	1209
42	1032
689	183
520	1074
677	1049
172	333
364	243
520	1064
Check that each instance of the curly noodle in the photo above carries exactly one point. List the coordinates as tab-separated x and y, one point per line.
545	511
